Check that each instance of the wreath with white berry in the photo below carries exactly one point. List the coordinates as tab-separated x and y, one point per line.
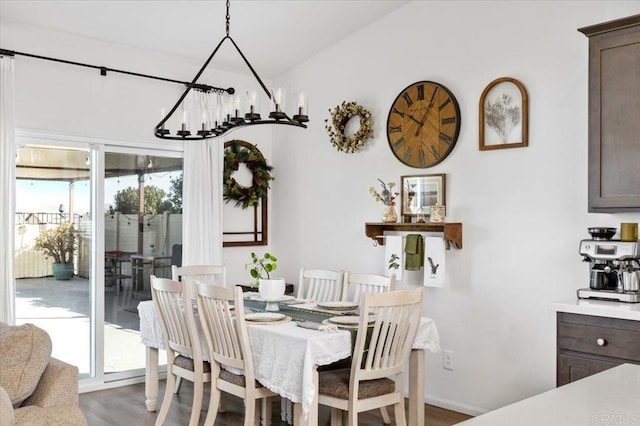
340	116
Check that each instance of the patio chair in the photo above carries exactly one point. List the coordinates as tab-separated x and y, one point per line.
113	273
229	349
184	353
322	285
356	285
388	326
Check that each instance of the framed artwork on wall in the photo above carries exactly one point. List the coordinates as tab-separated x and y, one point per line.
503	115
420	192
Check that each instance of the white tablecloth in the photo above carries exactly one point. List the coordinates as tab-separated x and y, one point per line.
150	328
285	355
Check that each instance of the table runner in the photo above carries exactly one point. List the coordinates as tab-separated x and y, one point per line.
301	312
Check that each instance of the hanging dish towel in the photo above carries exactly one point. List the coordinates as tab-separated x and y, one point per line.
414	252
393	245
435	269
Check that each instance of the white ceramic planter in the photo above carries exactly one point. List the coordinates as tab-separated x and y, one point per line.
272	290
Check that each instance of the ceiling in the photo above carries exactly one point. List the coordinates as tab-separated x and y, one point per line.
71	165
274	35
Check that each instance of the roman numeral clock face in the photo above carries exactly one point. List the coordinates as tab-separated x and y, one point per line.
423	124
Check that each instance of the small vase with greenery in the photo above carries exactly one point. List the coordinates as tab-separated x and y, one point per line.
60	244
270	288
387	197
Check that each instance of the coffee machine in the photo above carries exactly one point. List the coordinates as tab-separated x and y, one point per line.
615	267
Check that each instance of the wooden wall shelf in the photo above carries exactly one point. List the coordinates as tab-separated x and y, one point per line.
452	231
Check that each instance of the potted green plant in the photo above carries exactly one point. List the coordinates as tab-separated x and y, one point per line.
270	288
60	244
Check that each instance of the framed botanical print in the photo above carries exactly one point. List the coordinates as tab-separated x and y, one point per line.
420	192
503	116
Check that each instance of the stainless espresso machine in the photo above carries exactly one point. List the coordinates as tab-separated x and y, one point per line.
615	267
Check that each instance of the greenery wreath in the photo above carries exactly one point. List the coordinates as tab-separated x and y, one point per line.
236	152
340	115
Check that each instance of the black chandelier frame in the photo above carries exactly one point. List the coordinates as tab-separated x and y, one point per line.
230	122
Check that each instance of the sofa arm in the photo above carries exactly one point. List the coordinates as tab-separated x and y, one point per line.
58	385
7	416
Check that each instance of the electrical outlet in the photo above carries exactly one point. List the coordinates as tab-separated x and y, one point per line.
447	361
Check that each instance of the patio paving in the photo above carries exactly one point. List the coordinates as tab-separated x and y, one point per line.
63	309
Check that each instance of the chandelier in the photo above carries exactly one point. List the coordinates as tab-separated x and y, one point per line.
211	111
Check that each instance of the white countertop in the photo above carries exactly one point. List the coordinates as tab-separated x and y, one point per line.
599	308
607	398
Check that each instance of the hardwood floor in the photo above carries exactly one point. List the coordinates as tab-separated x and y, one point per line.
124	406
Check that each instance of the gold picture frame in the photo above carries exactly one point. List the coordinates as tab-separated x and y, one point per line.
503	115
420	192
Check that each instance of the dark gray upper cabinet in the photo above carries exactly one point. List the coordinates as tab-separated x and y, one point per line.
614	115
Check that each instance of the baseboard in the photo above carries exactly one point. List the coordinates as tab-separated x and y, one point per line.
455	406
88	386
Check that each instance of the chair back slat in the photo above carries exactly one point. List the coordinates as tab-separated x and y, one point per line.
357	285
322	285
224	328
382	349
168	297
206	274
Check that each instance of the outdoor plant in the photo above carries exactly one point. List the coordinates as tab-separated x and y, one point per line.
58	243
261	267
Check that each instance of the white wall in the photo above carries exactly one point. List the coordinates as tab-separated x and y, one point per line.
63	99
523	210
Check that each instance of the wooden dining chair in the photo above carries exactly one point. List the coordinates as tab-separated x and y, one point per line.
387	329
356	285
322	285
228	346
206	274
184	353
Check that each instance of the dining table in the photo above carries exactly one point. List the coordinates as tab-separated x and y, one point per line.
286	354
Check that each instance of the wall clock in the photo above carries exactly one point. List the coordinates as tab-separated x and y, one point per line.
423	124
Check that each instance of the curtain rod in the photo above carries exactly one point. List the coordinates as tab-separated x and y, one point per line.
104	70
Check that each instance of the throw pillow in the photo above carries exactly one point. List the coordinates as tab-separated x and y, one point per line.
25	351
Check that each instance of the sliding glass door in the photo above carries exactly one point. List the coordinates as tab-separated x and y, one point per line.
142	233
119	209
53	254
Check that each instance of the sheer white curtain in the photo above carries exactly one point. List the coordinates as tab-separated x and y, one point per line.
202	202
7	189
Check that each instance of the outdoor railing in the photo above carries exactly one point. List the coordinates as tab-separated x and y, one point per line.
161	232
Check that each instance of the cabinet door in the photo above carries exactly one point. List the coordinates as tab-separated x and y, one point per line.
571	368
614	127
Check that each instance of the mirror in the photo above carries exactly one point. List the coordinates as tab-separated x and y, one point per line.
420	192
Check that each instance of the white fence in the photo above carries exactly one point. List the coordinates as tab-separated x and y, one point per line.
160	233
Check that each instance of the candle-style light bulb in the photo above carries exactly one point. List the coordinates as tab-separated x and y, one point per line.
302	101
163	131
236	108
184	131
252	106
204	131
278	97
